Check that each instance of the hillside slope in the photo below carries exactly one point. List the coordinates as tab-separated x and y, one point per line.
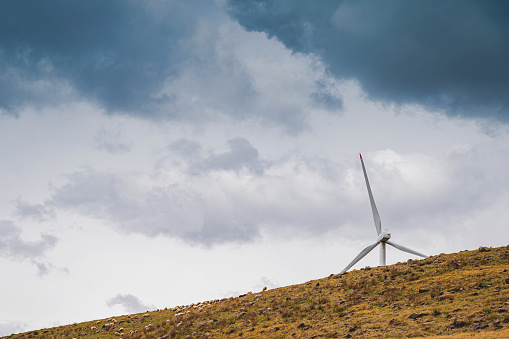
463	293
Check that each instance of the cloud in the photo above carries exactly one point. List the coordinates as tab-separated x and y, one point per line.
111	140
233	74
35	211
45	268
240	156
266	282
208	196
11	327
115	53
186	61
451	56
217	198
13	246
130	303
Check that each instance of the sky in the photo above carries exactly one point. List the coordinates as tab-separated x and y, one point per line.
160	153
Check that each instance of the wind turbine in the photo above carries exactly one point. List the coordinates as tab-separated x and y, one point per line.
383	237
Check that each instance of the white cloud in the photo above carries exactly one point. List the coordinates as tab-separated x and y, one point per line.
130	303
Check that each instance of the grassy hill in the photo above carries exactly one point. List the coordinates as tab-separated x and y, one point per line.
465	294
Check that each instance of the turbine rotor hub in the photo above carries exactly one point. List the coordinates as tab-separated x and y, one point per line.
384	237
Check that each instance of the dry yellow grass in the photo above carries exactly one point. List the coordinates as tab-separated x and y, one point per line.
501	334
462	294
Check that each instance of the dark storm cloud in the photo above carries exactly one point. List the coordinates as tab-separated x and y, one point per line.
13	246
115	52
448	55
130	303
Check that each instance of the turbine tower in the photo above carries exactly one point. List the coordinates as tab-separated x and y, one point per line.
383	237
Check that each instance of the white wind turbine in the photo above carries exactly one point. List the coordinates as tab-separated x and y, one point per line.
383	237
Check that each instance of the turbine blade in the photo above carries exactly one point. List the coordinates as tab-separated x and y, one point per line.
376	216
406	249
360	256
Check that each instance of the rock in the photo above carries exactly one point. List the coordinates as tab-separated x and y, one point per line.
456	324
480	285
274	329
454	263
303	326
476	327
417	315
483	249
423	290
395	322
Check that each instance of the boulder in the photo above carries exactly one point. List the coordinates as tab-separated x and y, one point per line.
417	315
274	329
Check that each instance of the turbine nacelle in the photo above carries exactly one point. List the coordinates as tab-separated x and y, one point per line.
383	237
